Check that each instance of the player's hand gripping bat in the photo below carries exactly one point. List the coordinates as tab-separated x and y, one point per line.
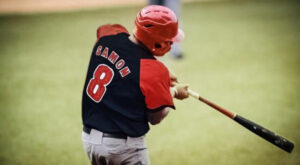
266	134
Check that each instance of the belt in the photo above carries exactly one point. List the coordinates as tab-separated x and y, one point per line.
111	135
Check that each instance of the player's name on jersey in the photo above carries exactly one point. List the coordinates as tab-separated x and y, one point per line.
113	57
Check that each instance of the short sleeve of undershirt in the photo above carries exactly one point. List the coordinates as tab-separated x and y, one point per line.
155	85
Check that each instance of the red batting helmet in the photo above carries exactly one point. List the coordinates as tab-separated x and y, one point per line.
157	28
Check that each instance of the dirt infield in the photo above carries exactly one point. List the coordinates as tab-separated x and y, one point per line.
33	6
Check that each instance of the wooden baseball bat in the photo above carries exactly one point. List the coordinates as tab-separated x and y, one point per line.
264	133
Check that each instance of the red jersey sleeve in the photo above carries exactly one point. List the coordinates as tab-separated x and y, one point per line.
155	84
107	30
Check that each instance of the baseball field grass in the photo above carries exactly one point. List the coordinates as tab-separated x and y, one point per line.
242	55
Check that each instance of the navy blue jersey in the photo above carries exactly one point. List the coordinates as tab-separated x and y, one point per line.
124	82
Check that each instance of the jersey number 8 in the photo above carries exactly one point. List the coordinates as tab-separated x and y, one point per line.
97	86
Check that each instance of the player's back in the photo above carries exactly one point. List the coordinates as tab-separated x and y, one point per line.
112	91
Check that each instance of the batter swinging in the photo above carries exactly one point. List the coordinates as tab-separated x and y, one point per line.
126	87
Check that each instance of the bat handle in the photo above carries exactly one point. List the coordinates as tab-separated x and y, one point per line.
193	94
211	104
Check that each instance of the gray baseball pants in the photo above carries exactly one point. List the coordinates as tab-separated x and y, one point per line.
114	151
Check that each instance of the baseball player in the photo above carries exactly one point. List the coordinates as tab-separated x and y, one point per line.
126	87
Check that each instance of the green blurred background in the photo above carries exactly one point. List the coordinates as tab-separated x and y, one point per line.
243	55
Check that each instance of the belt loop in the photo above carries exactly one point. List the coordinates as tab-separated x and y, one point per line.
96	136
128	141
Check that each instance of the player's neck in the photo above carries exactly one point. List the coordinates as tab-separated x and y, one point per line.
133	39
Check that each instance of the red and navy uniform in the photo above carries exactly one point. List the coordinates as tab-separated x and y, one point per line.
124	82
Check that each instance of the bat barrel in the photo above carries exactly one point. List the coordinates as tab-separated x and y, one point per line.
266	134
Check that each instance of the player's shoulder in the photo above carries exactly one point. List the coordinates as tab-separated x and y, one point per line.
153	62
110	29
153	67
